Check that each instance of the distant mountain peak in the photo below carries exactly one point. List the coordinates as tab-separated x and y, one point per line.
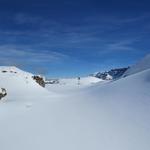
111	74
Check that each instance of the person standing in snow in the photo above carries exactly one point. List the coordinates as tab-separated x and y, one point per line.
79	80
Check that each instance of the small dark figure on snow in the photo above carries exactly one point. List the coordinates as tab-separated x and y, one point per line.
79	80
3	93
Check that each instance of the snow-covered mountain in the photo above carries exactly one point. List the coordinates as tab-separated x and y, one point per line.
109	116
110	75
18	82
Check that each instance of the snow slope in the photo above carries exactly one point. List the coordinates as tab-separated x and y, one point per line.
124	112
110	116
72	84
140	66
84	81
18	82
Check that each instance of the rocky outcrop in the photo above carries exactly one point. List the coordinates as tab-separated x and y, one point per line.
39	80
112	74
52	81
3	93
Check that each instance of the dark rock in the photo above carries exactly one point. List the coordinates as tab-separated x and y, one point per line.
112	74
3	93
39	80
52	81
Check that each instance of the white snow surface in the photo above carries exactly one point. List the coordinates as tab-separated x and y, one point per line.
140	66
19	83
66	85
109	116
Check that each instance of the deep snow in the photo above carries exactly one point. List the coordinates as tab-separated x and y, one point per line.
109	116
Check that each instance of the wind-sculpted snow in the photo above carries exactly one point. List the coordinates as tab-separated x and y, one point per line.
102	116
140	66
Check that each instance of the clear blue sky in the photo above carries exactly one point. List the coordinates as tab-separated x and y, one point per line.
73	37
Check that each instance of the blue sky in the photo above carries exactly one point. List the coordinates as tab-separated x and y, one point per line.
73	37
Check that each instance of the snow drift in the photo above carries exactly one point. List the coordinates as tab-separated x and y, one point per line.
109	116
142	65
